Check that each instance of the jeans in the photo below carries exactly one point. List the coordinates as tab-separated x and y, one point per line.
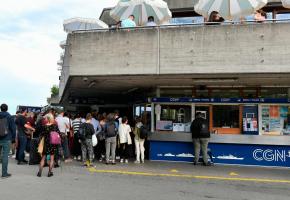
22	142
124	151
110	148
87	149
5	147
65	148
203	143
139	147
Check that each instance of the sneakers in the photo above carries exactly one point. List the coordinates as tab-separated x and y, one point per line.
126	161
142	161
6	176
113	162
208	164
122	160
137	162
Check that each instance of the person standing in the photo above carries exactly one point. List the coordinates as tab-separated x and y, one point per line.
22	126
139	143
97	127
200	136
111	129
49	150
129	22
87	131
76	123
7	134
63	126
125	140
151	21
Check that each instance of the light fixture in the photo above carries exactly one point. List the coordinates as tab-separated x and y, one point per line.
91	84
215	80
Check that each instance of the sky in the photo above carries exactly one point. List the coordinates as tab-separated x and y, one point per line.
30	33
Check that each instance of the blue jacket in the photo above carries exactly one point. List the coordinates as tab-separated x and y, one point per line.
11	126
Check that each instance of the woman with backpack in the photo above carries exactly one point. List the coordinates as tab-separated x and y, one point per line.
139	142
125	139
111	129
86	132
49	148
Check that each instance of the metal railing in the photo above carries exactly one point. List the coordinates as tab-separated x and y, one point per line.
241	22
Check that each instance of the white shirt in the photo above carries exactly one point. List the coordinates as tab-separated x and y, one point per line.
124	133
62	123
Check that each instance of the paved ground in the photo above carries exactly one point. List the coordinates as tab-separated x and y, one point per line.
153	180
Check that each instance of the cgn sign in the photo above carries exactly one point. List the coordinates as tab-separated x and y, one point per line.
270	155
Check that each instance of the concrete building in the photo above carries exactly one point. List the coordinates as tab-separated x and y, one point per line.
237	72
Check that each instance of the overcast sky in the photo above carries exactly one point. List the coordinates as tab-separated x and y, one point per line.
30	33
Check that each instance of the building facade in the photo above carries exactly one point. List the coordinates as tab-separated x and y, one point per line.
238	75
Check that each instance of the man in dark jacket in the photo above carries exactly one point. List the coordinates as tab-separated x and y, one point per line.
200	136
6	138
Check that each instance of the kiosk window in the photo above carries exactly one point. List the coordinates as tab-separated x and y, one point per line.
276	120
226	116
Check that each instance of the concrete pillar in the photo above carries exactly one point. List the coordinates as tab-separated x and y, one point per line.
158	92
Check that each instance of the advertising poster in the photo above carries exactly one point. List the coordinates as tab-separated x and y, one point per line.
274	112
265	118
164	125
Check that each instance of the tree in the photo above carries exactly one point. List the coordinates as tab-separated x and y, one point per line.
54	90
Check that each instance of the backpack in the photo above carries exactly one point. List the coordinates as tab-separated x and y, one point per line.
143	132
111	129
3	127
83	132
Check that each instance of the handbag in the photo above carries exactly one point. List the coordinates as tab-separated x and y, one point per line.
94	140
40	146
54	138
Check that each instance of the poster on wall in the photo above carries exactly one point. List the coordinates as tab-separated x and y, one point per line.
265	118
164	125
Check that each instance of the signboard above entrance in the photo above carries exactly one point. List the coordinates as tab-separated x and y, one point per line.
216	100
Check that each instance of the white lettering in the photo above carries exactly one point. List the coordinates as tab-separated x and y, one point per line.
270	155
260	158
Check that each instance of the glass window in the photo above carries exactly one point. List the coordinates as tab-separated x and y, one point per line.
274	93
176	118
225	93
276	120
226	116
176	93
283	16
187	20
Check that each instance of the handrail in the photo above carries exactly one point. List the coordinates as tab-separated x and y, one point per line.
241	22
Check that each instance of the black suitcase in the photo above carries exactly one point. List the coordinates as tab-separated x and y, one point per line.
34	157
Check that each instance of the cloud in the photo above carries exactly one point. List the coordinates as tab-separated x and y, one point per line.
30	34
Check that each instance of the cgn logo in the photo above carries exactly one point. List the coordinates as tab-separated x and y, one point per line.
271	155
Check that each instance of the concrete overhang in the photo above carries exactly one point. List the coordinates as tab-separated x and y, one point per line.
122	89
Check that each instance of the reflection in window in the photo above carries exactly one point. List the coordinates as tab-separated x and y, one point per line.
176	113
226	116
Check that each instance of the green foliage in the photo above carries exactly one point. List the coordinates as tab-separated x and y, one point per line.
54	90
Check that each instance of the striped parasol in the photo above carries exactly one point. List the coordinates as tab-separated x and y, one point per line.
77	24
141	9
229	9
286	3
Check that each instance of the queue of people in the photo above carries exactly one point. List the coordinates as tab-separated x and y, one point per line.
214	19
50	137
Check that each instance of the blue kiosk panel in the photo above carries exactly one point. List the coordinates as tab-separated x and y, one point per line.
239	154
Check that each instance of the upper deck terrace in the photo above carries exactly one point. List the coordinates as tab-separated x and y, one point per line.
251	54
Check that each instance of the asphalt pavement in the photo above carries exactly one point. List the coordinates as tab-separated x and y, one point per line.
152	180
